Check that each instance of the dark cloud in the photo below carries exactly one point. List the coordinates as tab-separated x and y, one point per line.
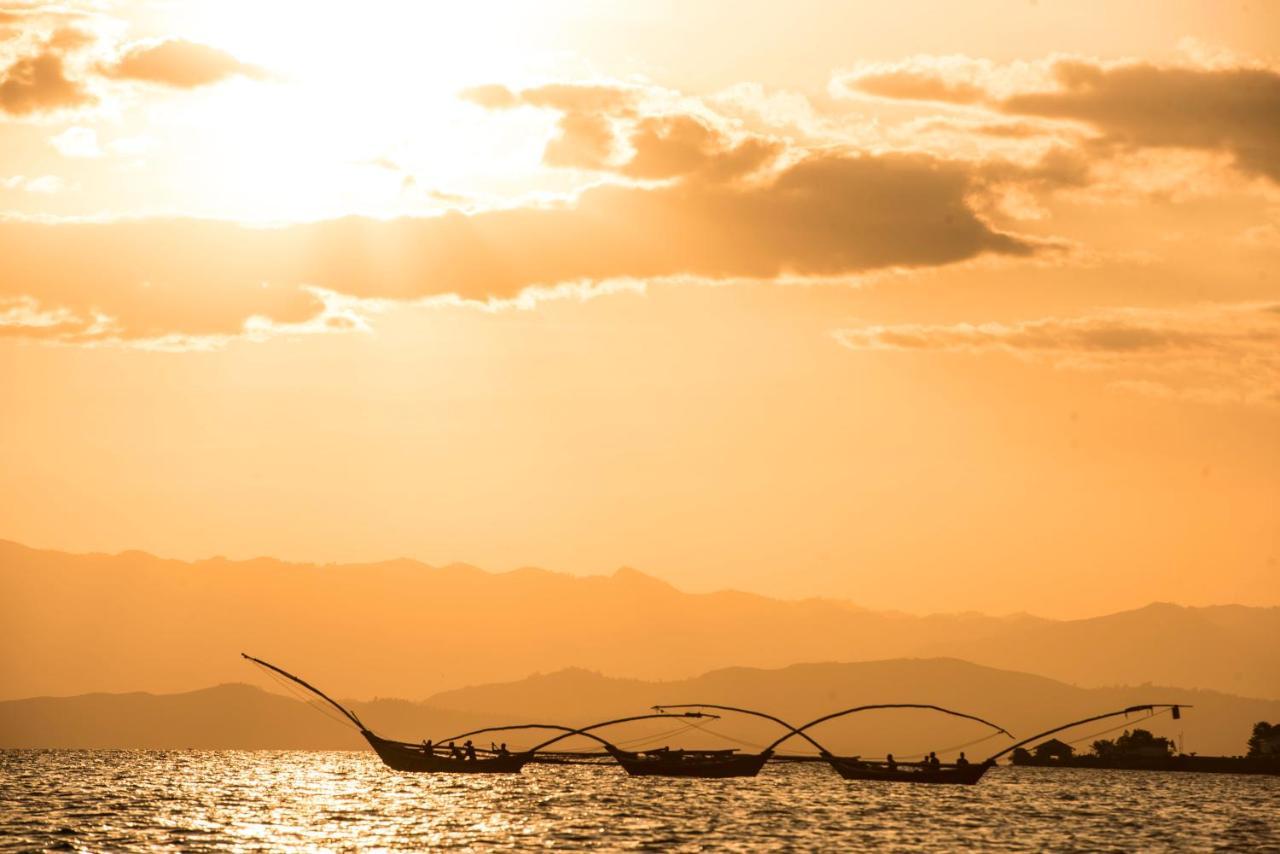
1233	109
677	145
1236	110
824	216
594	119
39	84
179	63
1213	353
1072	335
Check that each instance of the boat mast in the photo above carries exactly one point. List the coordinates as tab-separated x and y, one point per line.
351	716
800	731
586	730
764	715
1150	707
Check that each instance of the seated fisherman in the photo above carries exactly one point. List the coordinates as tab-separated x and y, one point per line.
428	748
471	750
961	761
454	751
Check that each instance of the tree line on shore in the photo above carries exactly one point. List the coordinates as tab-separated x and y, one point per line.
1141	744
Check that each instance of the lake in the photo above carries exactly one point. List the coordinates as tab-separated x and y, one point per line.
280	801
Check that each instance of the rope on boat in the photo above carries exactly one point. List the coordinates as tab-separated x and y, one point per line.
1124	725
952	747
656	736
709	731
305	698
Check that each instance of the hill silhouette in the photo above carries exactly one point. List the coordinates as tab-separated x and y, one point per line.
134	622
241	716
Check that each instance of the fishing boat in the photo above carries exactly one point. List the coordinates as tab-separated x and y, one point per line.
435	758
908	772
854	767
666	762
658	762
406	756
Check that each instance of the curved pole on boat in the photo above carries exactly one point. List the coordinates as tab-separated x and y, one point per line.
1149	707
351	716
779	721
824	718
565	729
586	730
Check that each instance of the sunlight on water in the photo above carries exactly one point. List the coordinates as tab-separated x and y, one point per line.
206	800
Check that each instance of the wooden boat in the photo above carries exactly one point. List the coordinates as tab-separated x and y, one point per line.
691	763
908	772
405	756
661	762
853	767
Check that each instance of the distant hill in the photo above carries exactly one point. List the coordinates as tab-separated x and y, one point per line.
76	623
240	716
1229	647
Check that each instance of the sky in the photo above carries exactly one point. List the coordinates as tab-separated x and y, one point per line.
928	307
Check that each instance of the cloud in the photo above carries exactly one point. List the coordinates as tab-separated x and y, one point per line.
1138	104
608	128
1233	109
40	184
582	141
39	83
77	142
826	215
585	137
178	63
1216	353
493	96
676	145
918	86
23	317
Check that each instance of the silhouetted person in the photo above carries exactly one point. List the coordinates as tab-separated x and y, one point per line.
961	761
471	751
428	748
891	762
933	761
502	750
454	751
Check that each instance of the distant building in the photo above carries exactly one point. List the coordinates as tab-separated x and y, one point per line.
1053	749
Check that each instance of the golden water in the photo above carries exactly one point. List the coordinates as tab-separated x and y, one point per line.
278	801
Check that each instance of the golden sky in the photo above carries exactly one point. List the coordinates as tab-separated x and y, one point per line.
925	305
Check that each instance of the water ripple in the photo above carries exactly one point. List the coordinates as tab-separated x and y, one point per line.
284	801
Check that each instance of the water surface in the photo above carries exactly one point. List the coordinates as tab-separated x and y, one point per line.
280	801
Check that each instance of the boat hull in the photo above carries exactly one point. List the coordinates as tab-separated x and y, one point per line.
965	775
678	765
406	757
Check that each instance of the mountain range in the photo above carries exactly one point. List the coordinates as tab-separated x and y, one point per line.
247	717
76	623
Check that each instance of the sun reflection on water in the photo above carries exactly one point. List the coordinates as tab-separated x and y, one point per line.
208	800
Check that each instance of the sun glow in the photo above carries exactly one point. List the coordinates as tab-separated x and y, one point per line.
360	112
